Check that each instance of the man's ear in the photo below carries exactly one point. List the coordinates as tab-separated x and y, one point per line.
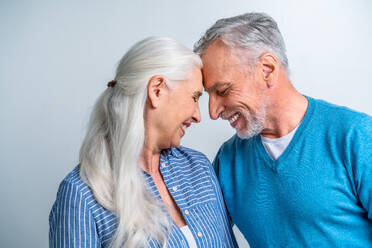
270	69
156	90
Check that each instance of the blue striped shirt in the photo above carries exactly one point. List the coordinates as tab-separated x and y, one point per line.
78	220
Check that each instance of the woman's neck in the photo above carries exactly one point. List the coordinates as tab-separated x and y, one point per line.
150	159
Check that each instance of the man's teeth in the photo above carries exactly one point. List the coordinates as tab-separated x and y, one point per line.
234	118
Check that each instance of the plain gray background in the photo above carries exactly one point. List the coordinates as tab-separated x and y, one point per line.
57	56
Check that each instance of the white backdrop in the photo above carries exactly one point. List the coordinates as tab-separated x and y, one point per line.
57	56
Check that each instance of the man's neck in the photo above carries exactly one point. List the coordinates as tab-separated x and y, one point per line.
285	113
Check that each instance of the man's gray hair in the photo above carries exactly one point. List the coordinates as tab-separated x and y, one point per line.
256	32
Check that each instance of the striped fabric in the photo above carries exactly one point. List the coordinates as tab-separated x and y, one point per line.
78	220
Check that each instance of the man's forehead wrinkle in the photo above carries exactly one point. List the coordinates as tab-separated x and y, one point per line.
216	85
216	62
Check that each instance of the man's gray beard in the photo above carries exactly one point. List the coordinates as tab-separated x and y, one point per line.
255	124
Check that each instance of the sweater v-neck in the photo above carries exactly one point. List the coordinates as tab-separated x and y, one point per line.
262	153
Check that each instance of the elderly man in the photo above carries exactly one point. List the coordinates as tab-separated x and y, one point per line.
299	171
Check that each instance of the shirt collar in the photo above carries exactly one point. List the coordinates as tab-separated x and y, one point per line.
173	152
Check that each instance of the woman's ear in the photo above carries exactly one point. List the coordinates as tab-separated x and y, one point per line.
156	90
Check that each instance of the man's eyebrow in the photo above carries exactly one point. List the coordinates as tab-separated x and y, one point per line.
216	85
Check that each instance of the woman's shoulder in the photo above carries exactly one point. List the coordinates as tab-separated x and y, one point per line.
75	207
73	184
74	193
188	153
73	176
196	162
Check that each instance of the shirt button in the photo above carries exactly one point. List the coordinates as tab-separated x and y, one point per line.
187	212
174	188
200	234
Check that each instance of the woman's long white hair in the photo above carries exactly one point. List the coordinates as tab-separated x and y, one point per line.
109	155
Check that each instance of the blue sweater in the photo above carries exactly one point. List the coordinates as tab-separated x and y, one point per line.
318	193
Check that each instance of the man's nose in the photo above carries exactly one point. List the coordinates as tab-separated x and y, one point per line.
215	108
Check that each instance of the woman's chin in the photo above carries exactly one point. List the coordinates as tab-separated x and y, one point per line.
176	142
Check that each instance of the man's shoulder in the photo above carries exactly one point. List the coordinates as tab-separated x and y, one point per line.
337	123
335	112
235	144
233	148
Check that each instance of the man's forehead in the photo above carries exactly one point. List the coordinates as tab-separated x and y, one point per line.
219	55
216	62
215	76
213	60
216	45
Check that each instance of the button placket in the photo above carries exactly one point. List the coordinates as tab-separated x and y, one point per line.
163	165
174	188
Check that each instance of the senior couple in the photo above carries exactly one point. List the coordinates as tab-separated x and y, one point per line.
297	174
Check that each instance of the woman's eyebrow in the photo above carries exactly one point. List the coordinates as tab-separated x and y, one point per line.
198	93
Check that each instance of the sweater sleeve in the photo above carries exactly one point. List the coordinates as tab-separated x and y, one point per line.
360	154
216	163
230	237
71	223
216	167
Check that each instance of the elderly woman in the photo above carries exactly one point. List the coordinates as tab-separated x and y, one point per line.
135	186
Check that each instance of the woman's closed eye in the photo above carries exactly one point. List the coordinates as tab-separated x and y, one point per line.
196	96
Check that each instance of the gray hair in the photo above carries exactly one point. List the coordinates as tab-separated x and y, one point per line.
109	155
256	32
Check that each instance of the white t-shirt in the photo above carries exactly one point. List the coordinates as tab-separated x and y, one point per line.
190	239
275	147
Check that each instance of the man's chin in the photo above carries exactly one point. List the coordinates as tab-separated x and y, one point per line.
251	127
246	134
